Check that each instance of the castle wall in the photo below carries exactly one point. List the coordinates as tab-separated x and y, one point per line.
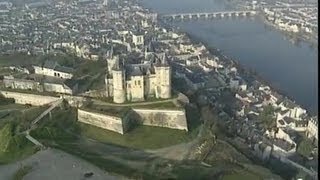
166	82
111	123
137	88
119	94
22	84
150	85
33	99
174	119
75	101
163	82
58	88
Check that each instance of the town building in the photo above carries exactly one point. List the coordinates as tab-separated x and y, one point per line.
312	129
52	68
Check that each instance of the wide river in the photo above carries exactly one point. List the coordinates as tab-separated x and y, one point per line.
290	67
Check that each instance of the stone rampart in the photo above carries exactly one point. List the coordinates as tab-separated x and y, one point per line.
104	121
174	119
25	98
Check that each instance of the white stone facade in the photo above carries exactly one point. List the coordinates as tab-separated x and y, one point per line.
33	99
136	82
137	39
174	119
111	123
312	129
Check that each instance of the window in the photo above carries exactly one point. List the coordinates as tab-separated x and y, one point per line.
139	83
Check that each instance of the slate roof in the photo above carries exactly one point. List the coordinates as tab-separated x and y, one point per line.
49	64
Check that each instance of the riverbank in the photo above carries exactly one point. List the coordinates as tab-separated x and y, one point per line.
249	73
295	38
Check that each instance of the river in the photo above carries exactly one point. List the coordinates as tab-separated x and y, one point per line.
290	67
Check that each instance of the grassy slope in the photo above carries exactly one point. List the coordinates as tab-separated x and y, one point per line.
141	137
12	146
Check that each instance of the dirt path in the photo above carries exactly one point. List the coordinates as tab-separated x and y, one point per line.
178	152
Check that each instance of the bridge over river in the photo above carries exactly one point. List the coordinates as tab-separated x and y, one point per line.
205	15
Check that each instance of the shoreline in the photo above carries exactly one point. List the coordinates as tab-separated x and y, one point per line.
295	37
242	69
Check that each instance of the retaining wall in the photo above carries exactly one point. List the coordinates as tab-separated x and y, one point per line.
174	119
25	98
111	123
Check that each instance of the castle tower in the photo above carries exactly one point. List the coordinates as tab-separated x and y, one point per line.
108	84
163	77
119	92
105	2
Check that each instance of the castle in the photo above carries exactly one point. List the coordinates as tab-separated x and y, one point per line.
136	82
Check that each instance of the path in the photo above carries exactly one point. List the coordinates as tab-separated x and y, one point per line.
27	135
180	151
54	104
34	141
98	102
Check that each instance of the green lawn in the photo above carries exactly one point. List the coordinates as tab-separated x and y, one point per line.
12	146
163	105
12	106
243	175
141	137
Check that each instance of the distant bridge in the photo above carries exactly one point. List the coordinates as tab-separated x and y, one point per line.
189	16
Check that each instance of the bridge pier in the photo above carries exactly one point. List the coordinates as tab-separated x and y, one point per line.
210	15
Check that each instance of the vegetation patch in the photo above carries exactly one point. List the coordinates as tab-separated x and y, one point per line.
241	175
161	105
6	101
305	147
13	146
267	118
141	137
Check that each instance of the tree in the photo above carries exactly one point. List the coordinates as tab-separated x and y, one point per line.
266	117
305	147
